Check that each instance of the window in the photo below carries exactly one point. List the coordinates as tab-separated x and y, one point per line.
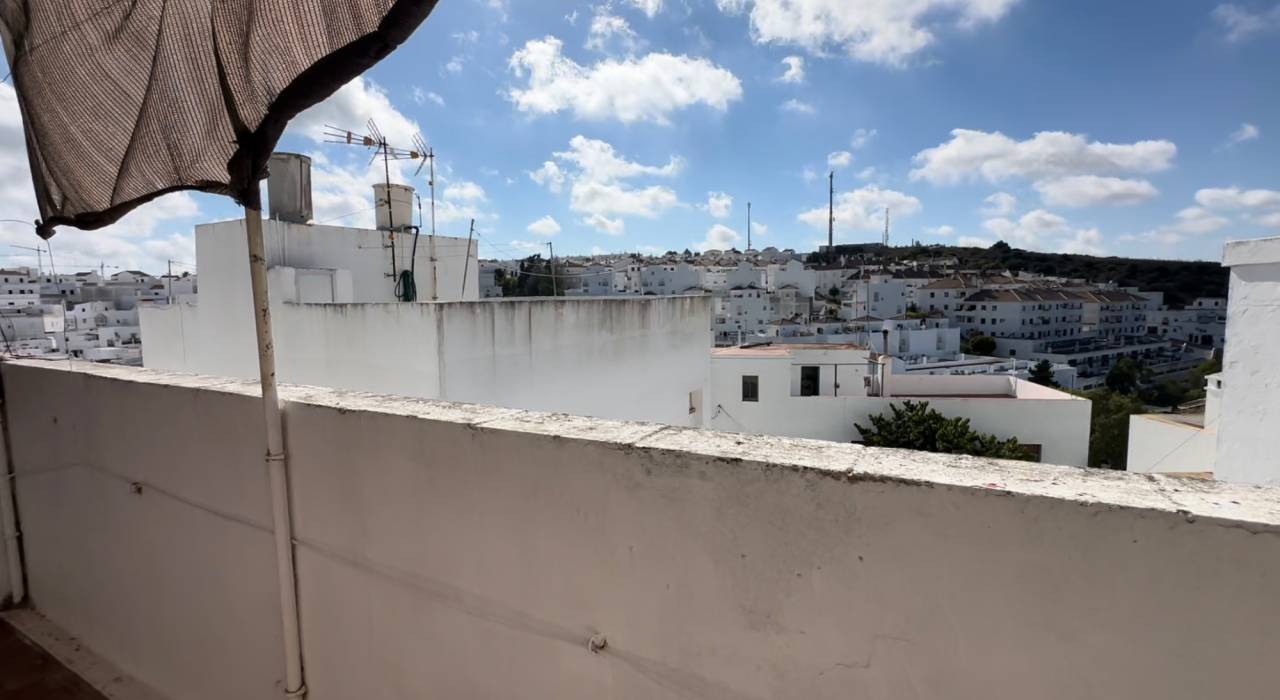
809	381
750	387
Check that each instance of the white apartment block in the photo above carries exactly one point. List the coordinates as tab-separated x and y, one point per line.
1114	313
740	313
1203	323
1021	314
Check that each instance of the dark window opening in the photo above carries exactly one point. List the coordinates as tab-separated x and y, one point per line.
750	387
808	381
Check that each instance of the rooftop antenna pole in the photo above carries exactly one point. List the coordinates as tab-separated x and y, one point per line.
466	262
39	256
431	183
831	210
555	292
885	242
748	225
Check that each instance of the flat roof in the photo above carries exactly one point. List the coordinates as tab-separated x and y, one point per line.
771	349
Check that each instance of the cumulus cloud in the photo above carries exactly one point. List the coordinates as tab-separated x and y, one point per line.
861	137
719	237
887	33
994	157
600	184
1236	198
839	159
464	190
719	204
545	227
649	7
646	89
1189	222
974	242
862	209
794	71
943	231
999	204
797	107
1093	190
421	96
1044	230
1242	24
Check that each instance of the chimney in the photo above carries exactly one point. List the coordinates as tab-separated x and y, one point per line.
394	206
289	187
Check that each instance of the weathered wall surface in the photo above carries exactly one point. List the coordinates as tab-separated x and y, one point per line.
1250	410
1158	443
449	550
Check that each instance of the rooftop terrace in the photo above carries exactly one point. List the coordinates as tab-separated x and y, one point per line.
454	550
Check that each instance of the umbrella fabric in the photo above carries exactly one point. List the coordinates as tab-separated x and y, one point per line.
125	100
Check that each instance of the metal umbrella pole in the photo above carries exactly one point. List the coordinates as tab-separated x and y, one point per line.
281	521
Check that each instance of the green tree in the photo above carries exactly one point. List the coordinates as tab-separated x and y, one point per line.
1042	374
915	426
1124	376
982	345
1109	427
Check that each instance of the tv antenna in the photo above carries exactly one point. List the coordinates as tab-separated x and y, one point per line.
373	139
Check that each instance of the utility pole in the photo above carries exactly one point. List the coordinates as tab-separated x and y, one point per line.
170	281
431	157
748	225
885	242
831	210
555	292
466	262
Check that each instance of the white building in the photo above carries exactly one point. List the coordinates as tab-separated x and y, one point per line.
793	274
1178	442
742	312
820	391
676	278
1203	323
1114	313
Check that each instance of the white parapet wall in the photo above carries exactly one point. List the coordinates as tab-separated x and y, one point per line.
639	358
460	551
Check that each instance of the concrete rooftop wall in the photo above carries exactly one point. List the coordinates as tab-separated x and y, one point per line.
458	551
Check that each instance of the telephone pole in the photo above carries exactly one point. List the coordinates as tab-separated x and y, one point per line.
555	292
831	210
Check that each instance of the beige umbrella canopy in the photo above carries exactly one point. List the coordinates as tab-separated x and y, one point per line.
125	100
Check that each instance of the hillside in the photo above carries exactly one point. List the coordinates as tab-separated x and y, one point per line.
1180	280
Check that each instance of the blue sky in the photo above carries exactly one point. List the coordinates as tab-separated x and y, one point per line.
1121	128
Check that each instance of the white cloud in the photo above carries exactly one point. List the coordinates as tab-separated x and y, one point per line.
876	31
861	137
605	225
719	204
549	175
454	65
999	204
797	106
421	96
868	173
649	89
719	237
1236	198
599	183
995	157
1246	132
794	72
839	159
1272	219
464	190
974	242
1093	190
608	31
1242	24
649	7
863	209
1191	221
545	227
1044	230
468	37
943	231
351	107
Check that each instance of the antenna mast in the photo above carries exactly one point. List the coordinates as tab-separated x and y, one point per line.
748	225
885	242
831	210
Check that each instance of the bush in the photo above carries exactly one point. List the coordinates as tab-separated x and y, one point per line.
915	426
982	345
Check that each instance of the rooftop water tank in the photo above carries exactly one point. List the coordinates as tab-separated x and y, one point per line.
395	206
289	187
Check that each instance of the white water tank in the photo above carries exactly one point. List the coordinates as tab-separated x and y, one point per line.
394	206
289	187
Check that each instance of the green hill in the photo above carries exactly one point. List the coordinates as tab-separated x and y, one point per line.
1180	280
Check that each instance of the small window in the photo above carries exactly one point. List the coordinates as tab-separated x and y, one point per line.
808	381
750	387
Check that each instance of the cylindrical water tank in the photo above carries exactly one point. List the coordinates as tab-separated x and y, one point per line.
289	187
394	206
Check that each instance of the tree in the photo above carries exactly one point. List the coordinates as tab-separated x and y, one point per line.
915	426
1124	376
1109	427
1042	374
982	345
